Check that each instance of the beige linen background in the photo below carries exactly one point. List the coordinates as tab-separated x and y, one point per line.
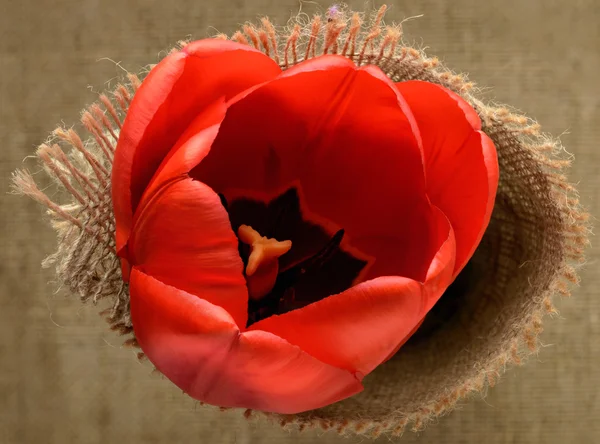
65	379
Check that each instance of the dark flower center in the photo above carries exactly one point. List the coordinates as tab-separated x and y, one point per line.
315	267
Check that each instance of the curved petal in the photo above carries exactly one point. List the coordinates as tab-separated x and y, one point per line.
439	276
357	329
347	137
441	270
193	145
183	238
198	346
461	167
363	326
170	97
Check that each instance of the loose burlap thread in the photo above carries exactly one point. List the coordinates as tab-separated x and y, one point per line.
488	320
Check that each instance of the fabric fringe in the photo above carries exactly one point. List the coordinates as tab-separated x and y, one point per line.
80	210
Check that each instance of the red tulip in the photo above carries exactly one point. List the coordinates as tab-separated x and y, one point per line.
284	233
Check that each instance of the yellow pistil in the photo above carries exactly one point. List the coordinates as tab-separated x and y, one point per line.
263	263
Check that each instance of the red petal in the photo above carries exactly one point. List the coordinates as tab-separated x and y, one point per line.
441	270
193	145
360	328
439	276
461	167
357	329
198	346
183	238
348	137
172	95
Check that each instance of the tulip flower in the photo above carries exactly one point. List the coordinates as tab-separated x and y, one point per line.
283	233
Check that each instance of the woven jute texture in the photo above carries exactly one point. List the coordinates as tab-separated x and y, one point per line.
489	319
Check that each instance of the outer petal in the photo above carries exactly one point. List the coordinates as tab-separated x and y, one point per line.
439	276
198	346
193	145
361	327
441	270
348	138
174	92
461	166
183	238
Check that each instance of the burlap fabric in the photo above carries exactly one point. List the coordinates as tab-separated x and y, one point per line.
494	313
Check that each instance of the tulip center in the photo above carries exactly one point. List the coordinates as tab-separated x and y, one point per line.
262	266
290	260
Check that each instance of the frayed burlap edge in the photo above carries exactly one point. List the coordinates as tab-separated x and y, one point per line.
85	260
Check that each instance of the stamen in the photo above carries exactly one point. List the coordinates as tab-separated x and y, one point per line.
289	277
283	292
263	263
326	252
281	279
